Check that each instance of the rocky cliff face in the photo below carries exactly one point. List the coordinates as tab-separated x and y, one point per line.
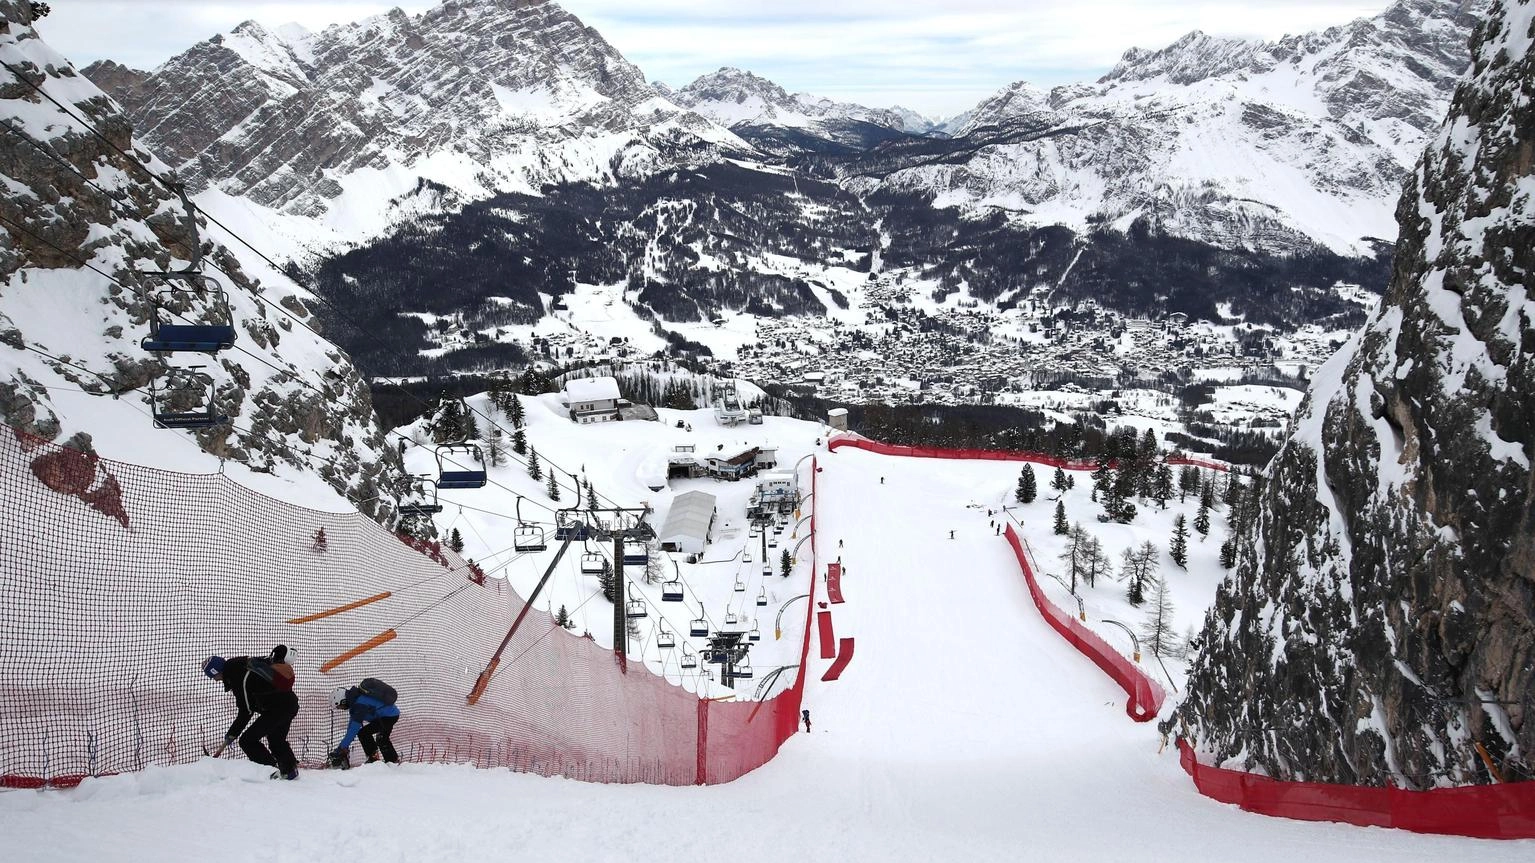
730	96
1279	146
1380	625
78	219
348	127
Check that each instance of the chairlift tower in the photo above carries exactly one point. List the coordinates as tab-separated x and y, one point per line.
618	524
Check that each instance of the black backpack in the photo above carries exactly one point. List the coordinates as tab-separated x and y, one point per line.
375	688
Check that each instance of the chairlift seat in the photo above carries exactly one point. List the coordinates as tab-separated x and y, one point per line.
699	628
666	640
762	597
754	635
689	661
636	554
591	563
462	479
420	508
528	539
671	591
201	338
742	672
636	609
740	586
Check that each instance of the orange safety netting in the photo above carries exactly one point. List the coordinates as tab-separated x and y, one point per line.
116	580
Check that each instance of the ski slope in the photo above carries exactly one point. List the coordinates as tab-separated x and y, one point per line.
963	730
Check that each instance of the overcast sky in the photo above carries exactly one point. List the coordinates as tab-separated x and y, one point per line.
939	58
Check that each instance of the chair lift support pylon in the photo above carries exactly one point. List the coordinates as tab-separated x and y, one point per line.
484	679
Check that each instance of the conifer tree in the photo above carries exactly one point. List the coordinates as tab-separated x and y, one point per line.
785	563
562	619
1058	482
553	487
535	470
514	410
1202	520
456	541
1162	487
605	578
1188	482
1148	448
1229	553
495	447
1178	546
320	542
1157	633
1075	557
1061	527
519	441
1027	490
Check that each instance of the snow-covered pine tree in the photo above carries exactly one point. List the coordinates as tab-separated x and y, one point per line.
495	447
1202	520
1178	546
552	488
562	619
519	441
456	541
1059	482
514	410
1162	486
1075	556
535	470
1157	633
1027	490
1061	526
605	578
785	563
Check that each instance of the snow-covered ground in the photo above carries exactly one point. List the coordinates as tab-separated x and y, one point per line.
964	729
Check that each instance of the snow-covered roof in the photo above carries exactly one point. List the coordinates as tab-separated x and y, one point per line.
689	516
591	389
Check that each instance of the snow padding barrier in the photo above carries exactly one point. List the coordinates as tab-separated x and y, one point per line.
844	656
834	582
1481	811
117	580
828	639
1197	462
1146	695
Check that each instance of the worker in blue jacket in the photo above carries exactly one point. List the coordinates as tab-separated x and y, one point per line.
372	716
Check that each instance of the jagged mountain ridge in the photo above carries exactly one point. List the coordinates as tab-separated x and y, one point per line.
357	124
90	327
1380	624
1278	146
730	96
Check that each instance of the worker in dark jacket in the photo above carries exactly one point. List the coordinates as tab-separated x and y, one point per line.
371	720
262	686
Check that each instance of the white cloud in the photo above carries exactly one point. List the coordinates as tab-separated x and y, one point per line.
936	58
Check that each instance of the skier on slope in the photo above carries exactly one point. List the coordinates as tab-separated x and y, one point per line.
373	714
261	685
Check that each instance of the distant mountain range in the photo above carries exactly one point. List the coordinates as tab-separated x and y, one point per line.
446	163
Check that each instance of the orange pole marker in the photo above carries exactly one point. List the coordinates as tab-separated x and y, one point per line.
341	609
384	637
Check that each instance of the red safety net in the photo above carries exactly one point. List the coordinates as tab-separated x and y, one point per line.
863	443
1484	811
1146	695
860	442
119	579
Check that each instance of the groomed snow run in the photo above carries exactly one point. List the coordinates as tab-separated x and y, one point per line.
964	730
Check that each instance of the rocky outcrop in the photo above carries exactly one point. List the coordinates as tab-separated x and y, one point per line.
80	215
476	96
1380	625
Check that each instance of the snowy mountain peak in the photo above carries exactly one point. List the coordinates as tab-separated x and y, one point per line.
343	127
730	96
